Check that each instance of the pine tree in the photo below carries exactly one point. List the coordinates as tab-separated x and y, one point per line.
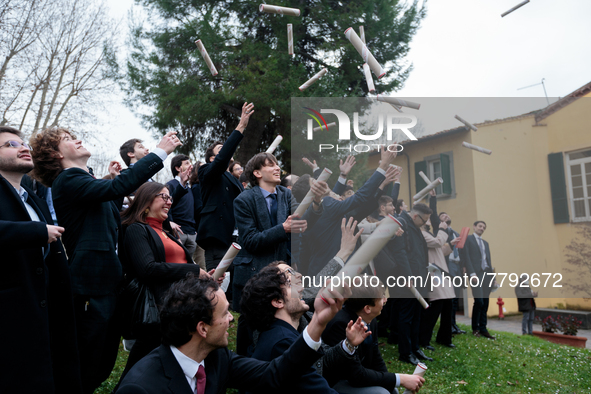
249	49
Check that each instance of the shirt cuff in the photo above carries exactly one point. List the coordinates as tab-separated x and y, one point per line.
397	380
340	261
315	168
381	171
342	179
310	342
161	153
397	182
346	349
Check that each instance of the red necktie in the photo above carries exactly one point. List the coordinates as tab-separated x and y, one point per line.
200	375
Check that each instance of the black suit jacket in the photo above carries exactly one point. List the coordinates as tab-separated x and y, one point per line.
160	373
84	207
144	257
219	188
39	349
417	251
369	368
472	258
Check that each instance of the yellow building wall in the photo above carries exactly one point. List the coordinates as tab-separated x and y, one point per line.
568	129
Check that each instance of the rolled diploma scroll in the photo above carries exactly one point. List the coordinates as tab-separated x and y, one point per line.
289	39
427	189
364	52
397	108
315	78
273	9
427	180
478	148
275	144
395	101
370	86
368	250
514	8
326	173
418	296
419	370
362	34
205	56
226	260
468	124
323	127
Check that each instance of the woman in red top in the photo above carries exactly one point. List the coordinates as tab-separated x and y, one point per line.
152	254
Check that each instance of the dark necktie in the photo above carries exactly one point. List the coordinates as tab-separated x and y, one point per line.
200	375
273	209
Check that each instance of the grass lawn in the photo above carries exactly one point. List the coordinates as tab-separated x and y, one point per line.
509	364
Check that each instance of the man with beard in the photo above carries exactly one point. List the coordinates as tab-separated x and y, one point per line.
38	331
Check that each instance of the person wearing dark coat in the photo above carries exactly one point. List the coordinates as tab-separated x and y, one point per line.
219	188
527	304
152	255
85	207
369	373
38	329
408	310
194	356
476	255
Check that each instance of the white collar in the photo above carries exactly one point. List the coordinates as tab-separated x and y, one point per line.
188	365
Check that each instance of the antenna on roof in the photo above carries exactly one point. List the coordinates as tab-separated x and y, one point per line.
536	84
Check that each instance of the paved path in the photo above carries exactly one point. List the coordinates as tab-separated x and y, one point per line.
513	324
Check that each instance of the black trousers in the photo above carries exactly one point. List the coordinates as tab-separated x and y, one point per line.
98	336
479	318
429	318
455	305
213	256
408	311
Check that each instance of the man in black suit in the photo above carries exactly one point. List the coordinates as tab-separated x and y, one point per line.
476	255
38	329
194	357
264	220
85	207
219	188
370	373
408	310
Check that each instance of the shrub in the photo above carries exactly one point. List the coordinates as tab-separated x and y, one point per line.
569	325
549	324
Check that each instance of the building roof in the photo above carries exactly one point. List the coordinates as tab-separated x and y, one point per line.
563	102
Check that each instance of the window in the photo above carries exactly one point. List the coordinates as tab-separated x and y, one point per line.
579	180
437	166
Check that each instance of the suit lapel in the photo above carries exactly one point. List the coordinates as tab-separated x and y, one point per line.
281	207
234	181
172	370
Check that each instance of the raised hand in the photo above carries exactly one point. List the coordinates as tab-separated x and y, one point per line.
184	175
309	163
169	142
348	238
247	111
347	165
114	169
357	332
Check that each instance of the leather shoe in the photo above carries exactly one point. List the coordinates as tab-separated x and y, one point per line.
422	356
458	330
411	359
450	345
476	334
429	347
486	334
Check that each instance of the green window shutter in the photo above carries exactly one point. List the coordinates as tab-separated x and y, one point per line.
446	173
420	166
558	188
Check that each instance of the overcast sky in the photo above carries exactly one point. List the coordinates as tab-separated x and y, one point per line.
465	49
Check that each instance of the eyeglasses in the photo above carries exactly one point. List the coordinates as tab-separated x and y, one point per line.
16	145
294	274
165	197
423	220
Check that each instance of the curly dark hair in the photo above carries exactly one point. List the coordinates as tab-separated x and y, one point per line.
46	154
209	151
185	304
259	292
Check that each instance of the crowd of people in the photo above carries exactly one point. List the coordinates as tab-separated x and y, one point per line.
73	242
